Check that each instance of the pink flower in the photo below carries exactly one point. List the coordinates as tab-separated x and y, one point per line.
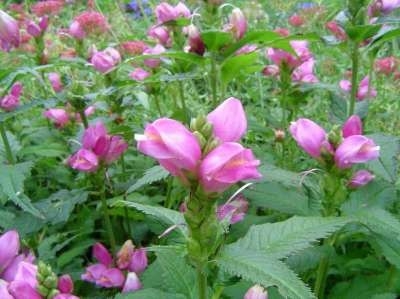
65	284
84	160
27	272
336	30
139	74
9	273
59	116
305	72
172	145
37	30
345	85
93	272
296	20
101	254
19	289
228	120
355	149
382	6
196	44
352	126
11	101
55	81
233	211
386	65
117	146
153	62
132	283
256	292
271	70
166	12
279	57
9	32
76	30
95	138
364	90
106	60
124	255
138	261
360	178
111	278
9	247
309	136
226	165
4	294
161	34
237	23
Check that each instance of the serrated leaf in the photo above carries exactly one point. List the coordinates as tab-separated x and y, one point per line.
149	294
215	40
390	249
167	216
151	175
281	239
256	267
359	33
237	65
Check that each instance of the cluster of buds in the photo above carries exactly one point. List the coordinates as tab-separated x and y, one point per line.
341	151
364	91
11	101
98	148
207	154
122	273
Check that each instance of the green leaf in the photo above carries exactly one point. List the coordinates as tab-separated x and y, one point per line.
12	179
390	249
215	40
382	38
360	33
167	216
239	65
256	267
149	294
281	239
151	175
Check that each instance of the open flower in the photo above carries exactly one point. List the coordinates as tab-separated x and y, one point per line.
364	90
9	32
360	178
352	126
106	60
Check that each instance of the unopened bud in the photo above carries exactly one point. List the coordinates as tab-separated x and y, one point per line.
42	290
53	294
279	135
207	130
200	138
335	136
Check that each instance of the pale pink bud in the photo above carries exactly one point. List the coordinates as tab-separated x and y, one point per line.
172	145
111	278
9	247
182	11
237	23
76	30
161	34
355	149
309	136
226	165
138	261
165	12
228	120
101	254
345	85
246	49
117	146
296	20
153	62
16	89
124	255
106	60
84	160
9	31
195	42
59	116
233	211
132	283
139	74
55	81
360	178
90	110
352	126
305	72
256	292
65	284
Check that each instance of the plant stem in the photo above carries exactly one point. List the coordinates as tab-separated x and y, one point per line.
156	100
7	147
84	119
319	288
182	96
107	219
201	282
354	78
213	78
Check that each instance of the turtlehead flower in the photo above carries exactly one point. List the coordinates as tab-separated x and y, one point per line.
296	20
161	34
59	116
132	283
153	62
360	178
165	12
305	72
195	43
9	32
11	101
65	284
138	262
9	247
226	165
233	211
385	7
101	254
364	90
105	61
228	120
237	23
355	149
256	292
139	74
352	126
76	30
84	160
55	81
336	30
37	30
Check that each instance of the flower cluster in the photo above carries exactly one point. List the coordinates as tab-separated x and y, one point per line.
98	148
121	273
88	23
48	7
351	148
209	154
11	100
21	278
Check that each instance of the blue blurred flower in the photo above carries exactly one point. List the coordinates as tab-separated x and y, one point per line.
134	8
306	5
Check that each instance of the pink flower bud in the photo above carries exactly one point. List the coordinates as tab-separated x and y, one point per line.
84	160
124	255
55	81
16	89
60	117
196	44
153	62
226	165
111	278
233	211
11	101
101	254
256	292
352	126
138	261
228	120
296	20
345	85
161	34
355	149
93	272
139	74
19	289
4	294
9	247
76	30
246	49
386	65
105	61
305	72
132	283
164	12
33	29
117	146
44	23
309	136
9	32
360	178
182	11
172	145
237	23
336	30
65	284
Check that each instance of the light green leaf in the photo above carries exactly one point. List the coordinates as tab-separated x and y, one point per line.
154	174
239	65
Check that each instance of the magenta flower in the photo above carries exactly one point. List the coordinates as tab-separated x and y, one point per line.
9	32
172	145
161	34
55	82
101	254
117	146
111	278
76	30
364	90
12	100
84	160
65	284
95	139
305	72
309	136
355	149
352	126
21	290
105	61
9	273
382	6
93	272
360	178
138	262
9	247
226	165
153	62
296	20
195	43
256	292
237	23
27	272
37	30
139	74
132	283
280	57
59	116
229	120
233	211
165	12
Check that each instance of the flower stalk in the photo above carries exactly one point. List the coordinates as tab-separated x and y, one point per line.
7	147
354	78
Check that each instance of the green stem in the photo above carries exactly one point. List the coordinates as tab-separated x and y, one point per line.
106	215
7	146
213	78
156	100
182	96
84	119
322	274
201	282
354	78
